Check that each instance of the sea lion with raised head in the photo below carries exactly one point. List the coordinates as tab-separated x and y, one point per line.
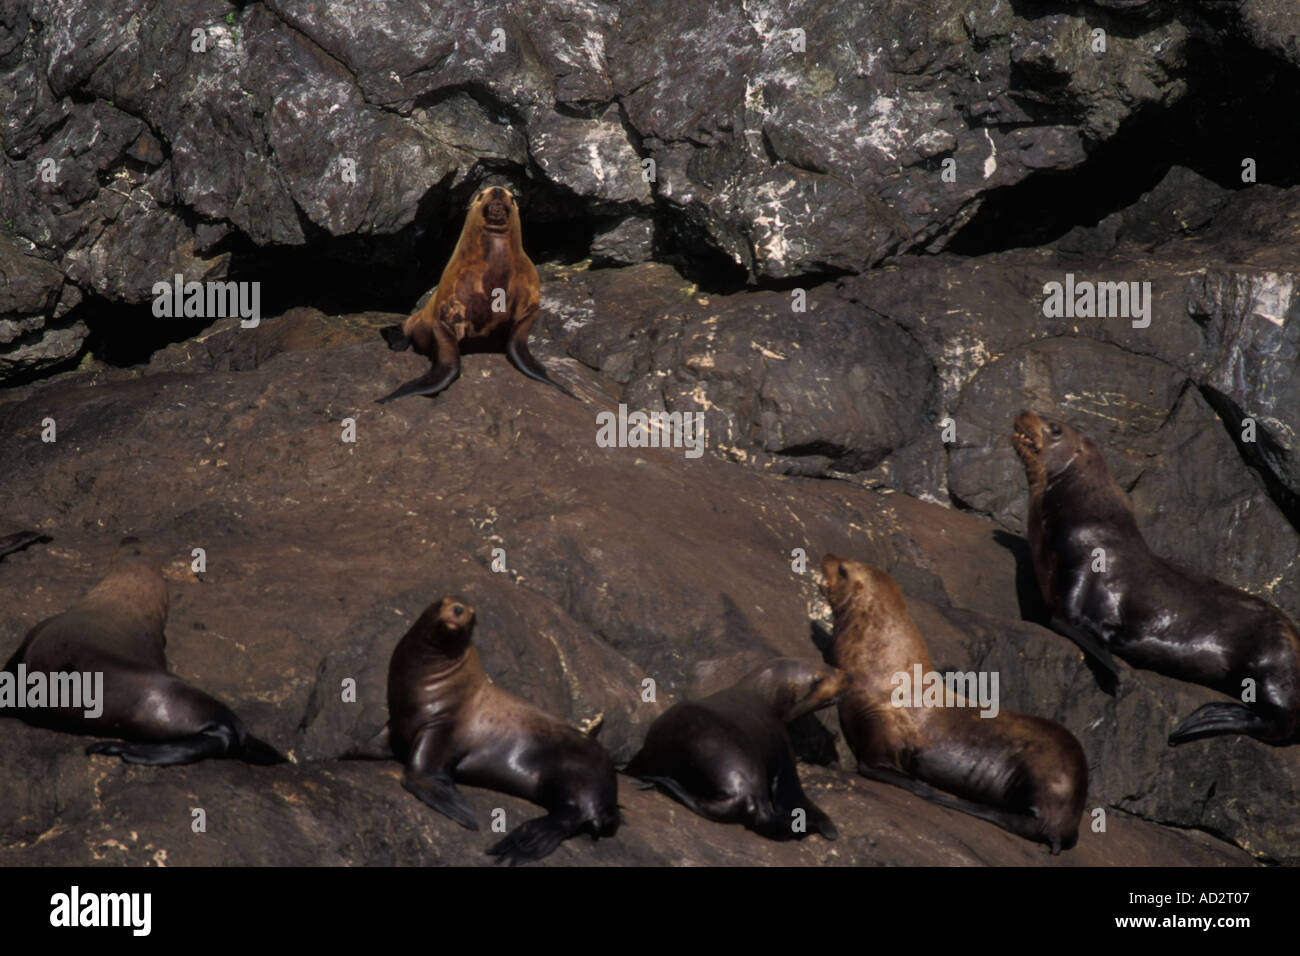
1146	611
728	756
488	296
449	724
116	630
1024	773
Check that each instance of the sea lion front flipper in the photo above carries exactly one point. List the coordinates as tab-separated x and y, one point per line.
522	359
788	795
259	753
821	822
430	383
216	742
683	796
1212	720
439	791
1096	651
377	747
19	540
535	839
428	777
397	339
444	354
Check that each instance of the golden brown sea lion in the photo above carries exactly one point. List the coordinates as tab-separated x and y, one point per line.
488	296
1024	773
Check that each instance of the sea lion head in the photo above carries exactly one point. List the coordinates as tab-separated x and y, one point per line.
796	687
454	615
846	583
1049	448
494	207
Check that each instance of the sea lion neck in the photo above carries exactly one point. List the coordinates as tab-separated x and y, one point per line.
882	630
135	591
499	245
1086	490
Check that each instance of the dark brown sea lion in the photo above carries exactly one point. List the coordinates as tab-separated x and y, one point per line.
728	757
449	724
488	296
116	630
1024	773
1147	611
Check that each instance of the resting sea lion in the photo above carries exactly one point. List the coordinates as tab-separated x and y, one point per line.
116	630
728	757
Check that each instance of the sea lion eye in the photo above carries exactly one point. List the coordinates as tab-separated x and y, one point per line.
843	572
458	610
1055	429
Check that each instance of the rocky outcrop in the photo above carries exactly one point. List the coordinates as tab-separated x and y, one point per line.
621	564
829	229
153	138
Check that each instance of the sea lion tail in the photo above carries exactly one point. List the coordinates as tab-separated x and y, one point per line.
259	753
534	839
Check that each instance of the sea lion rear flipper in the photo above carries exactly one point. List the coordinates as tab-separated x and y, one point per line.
683	796
1212	720
1021	824
522	359
431	382
216	742
395	337
439	792
535	839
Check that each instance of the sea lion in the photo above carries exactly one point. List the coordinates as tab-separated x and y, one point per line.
117	629
1024	773
1147	611
449	724
728	757
488	296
